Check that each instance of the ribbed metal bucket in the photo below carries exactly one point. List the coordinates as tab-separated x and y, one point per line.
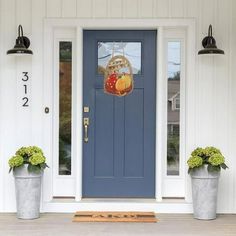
28	192
204	192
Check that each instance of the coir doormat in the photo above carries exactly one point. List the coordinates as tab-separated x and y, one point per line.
118	216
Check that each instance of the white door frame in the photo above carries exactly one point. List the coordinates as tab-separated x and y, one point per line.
142	24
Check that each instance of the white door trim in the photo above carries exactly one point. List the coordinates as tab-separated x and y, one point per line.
80	25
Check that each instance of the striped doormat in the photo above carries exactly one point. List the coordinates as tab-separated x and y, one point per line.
117	216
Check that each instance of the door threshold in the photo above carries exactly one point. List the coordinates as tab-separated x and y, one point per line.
141	200
117	200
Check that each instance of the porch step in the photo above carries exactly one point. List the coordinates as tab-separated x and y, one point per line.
114	216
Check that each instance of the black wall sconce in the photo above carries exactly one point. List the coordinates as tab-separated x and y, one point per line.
209	44
22	44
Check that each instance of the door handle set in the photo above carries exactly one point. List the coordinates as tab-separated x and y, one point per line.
86	125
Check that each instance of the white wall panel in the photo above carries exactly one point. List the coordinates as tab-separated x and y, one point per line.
24	127
177	8
162	8
54	8
2	54
38	129
130	8
232	137
39	12
146	9
69	8
208	14
222	101
23	64
204	95
115	8
84	8
100	8
7	101
23	15
192	8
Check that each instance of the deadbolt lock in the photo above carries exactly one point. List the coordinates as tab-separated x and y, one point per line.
86	109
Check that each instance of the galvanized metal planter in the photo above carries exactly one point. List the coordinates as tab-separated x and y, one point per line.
28	192
204	192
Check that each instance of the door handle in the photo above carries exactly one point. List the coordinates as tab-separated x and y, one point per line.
86	125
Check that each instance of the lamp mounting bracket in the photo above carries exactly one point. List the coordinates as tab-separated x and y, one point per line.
206	40
26	41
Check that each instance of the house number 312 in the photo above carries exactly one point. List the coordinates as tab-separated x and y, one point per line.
25	80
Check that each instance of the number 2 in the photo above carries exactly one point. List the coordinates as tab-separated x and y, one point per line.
26	101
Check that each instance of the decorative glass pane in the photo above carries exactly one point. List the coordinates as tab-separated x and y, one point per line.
131	50
65	70
173	107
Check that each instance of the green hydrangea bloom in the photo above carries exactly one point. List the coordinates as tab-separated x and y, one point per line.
198	152
194	161
210	151
28	151
34	149
216	159
23	151
37	159
16	161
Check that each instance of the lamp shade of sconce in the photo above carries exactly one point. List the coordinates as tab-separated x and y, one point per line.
209	44
22	44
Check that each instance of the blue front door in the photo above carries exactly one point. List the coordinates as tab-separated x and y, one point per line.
119	154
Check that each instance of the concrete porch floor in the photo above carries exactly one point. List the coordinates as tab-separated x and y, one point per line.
169	224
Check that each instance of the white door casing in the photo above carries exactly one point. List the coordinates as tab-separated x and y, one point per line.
78	25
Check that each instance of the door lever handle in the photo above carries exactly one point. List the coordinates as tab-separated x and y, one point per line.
86	124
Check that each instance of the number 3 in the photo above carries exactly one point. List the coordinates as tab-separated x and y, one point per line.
26	77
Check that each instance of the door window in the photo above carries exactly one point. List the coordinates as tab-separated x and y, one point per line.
131	50
173	106
65	79
63	110
174	116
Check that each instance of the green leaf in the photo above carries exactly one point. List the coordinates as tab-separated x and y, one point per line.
34	169
42	165
224	166
211	168
10	170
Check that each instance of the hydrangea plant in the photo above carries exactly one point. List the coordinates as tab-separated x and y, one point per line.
32	155
210	156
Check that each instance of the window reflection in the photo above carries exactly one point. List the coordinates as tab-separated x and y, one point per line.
65	57
173	105
131	50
